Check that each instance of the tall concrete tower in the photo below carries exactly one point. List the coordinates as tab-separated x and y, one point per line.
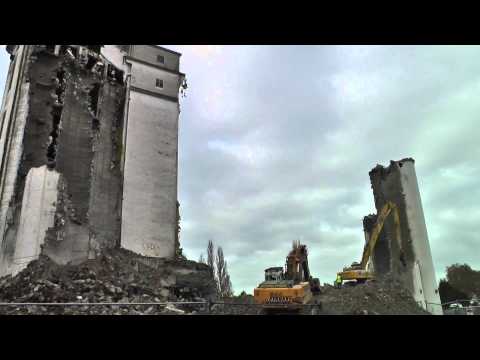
398	183
88	152
149	207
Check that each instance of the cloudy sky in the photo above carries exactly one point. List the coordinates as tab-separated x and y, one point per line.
276	143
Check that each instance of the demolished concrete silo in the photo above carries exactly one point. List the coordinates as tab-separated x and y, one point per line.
398	183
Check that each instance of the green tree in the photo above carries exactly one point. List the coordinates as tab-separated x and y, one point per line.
448	293
463	278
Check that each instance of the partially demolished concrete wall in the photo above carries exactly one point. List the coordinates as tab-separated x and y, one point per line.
398	183
63	143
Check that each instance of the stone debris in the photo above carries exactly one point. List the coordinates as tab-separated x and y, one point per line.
171	308
248	307
116	276
121	277
385	297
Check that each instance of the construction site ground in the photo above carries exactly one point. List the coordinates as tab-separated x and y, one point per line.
121	277
373	298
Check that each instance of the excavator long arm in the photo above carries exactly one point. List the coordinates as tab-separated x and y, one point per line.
306	270
386	210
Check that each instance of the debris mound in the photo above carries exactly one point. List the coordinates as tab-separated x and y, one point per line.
122	277
237	305
115	276
382	297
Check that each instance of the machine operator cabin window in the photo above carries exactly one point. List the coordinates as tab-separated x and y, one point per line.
161	59
159	83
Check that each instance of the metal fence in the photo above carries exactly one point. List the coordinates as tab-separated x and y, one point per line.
464	310
206	306
201	306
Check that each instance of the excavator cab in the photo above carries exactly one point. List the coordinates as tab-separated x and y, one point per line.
274	274
355	266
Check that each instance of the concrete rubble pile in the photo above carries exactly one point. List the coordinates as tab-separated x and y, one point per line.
244	305
386	297
118	276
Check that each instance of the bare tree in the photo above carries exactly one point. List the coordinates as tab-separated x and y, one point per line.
218	268
228	290
211	257
220	262
201	260
223	278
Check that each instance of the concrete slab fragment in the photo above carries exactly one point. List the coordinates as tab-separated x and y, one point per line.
37	215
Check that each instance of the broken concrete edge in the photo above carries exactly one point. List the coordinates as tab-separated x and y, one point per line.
369	222
385	170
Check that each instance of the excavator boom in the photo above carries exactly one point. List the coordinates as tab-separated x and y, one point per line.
359	272
377	229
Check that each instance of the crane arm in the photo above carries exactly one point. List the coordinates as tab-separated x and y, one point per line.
386	210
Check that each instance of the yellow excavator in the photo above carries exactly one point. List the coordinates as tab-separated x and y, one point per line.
289	288
358	272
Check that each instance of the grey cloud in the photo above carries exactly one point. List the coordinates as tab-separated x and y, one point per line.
325	116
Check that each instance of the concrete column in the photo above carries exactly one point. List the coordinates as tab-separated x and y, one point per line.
419	236
13	155
38	214
15	113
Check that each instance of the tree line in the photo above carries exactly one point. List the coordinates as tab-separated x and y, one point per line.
461	283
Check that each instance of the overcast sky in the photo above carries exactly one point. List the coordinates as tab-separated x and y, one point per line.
276	143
